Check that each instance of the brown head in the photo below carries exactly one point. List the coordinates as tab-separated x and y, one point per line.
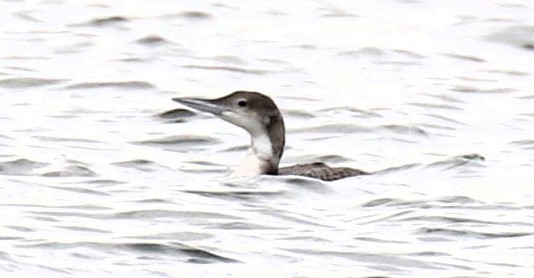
254	112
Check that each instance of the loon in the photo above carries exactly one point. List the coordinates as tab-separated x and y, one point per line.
260	117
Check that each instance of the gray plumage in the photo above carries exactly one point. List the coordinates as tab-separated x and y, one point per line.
320	171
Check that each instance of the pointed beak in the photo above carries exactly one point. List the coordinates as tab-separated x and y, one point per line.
204	105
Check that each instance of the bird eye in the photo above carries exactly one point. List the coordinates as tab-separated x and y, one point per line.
242	103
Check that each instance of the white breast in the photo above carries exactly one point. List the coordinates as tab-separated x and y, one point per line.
258	159
251	166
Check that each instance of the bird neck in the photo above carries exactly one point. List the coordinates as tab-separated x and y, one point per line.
266	149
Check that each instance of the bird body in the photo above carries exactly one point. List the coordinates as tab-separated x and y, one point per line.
261	118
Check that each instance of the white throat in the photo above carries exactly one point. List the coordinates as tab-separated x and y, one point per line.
259	158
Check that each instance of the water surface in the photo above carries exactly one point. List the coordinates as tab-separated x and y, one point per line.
435	97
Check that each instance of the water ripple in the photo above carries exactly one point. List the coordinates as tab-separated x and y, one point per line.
108	21
20	167
411	203
27	82
156	213
468	234
187	253
140	85
176	115
72	171
468	89
228	68
180	140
